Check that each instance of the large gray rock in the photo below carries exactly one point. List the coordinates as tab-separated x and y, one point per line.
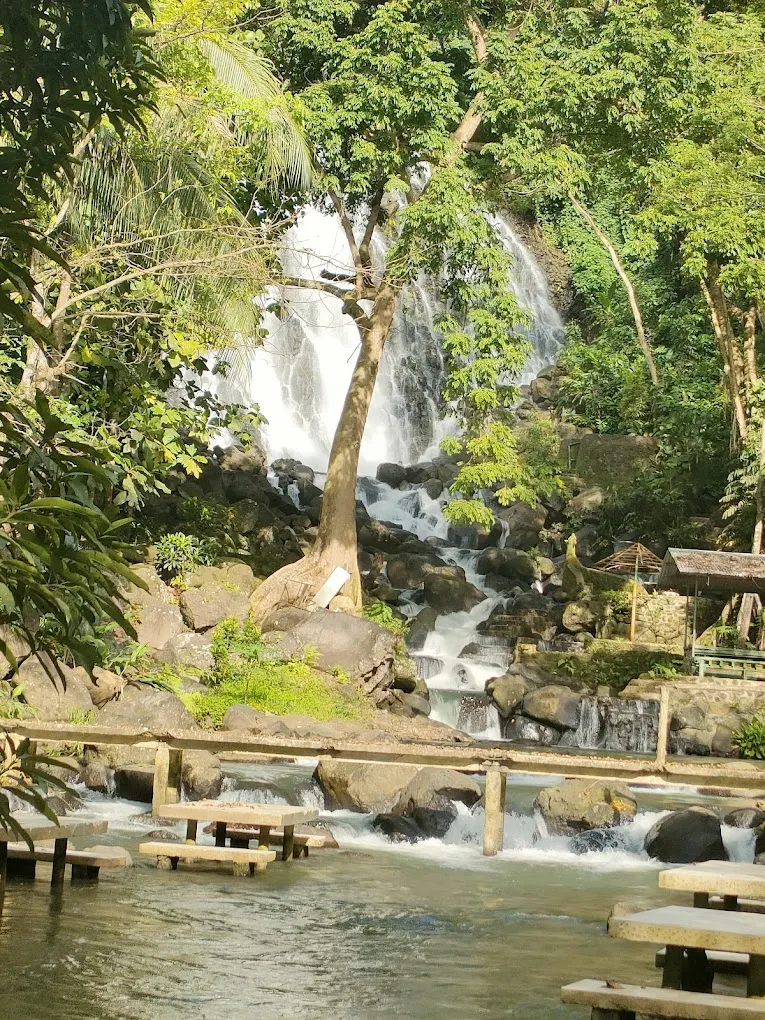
450	595
97	776
135	782
398	829
243	717
745	818
524	524
359	648
408	570
555	705
202	775
233	575
391	474
52	690
579	804
236	459
187	649
507	691
586	502
578	616
430	785
430	800
158	623
687	836
149	708
423	624
514	564
359	787
204	608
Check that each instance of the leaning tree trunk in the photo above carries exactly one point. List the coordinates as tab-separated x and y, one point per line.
747	602
335	544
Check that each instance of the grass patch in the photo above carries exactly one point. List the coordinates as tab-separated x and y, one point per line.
283	688
241	675
608	664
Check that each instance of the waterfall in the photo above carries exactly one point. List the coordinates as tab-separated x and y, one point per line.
299	379
616	724
300	375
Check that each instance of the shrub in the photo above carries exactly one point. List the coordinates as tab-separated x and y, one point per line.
749	738
382	614
177	554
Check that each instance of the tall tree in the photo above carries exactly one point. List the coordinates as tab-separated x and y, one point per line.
704	193
393	110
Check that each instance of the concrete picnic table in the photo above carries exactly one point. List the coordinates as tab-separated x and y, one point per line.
687	932
38	828
727	879
263	817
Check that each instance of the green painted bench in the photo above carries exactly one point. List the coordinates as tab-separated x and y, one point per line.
730	663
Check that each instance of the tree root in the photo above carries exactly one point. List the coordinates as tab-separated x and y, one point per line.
297	583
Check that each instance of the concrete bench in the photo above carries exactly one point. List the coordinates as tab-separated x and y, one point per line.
303	838
722	963
85	864
615	1001
244	861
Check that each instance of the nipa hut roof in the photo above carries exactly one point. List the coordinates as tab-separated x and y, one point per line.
720	572
623	561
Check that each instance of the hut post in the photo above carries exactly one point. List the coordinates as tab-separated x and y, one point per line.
633	614
695	612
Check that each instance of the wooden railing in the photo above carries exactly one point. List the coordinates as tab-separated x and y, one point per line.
493	760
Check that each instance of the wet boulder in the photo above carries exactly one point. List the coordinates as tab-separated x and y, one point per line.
595	841
514	564
686	837
451	595
529	731
202	775
97	777
408	570
524	523
555	705
745	818
431	786
391	474
507	691
357	787
398	829
424	623
579	804
135	782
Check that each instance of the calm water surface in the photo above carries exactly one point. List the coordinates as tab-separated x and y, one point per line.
363	932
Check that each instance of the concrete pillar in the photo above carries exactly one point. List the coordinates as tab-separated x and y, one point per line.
662	740
494	811
168	764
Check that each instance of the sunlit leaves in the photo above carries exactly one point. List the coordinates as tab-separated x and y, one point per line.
59	551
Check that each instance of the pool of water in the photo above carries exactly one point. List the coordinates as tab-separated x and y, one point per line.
370	930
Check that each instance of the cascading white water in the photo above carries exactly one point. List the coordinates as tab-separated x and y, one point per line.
299	379
300	376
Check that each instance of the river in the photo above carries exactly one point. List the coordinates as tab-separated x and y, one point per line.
427	932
